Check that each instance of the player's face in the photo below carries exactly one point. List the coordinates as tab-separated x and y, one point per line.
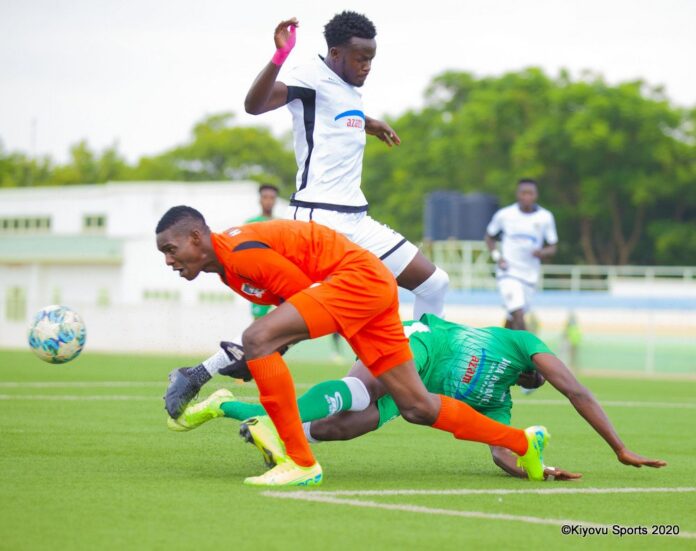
526	196
182	251
268	200
354	60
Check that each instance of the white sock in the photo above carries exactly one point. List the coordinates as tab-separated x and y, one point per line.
216	362
220	359
360	397
430	295
308	434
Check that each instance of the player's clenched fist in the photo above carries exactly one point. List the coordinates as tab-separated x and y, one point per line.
284	38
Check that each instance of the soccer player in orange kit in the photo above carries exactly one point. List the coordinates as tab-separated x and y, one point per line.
322	283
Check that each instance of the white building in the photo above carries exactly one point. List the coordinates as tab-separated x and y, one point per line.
92	248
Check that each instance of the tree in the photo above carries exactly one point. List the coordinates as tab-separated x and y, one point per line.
87	167
218	150
611	160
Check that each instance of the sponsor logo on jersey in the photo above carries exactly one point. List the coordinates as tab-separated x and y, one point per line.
524	237
471	369
253	291
233	231
354	118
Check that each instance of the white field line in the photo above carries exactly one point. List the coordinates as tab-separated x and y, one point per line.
96	397
151	384
611	403
105	384
81	384
503	491
325	497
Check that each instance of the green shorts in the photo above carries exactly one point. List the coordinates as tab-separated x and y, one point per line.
388	411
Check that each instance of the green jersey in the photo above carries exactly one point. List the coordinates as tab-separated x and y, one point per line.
474	365
259	218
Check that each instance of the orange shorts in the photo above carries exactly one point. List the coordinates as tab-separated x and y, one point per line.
359	301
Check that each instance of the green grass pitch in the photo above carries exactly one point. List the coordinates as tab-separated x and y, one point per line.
86	462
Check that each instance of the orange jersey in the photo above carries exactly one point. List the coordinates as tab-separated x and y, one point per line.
268	262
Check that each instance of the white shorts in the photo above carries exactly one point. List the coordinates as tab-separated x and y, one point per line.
516	294
392	248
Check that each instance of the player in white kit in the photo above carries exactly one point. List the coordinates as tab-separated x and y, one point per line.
528	234
329	128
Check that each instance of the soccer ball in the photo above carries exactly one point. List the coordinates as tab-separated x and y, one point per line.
57	334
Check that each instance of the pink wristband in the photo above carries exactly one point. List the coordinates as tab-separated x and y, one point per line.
282	54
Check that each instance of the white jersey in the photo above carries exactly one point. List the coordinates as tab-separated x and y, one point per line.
329	138
522	234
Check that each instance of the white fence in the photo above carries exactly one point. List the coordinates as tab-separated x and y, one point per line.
469	267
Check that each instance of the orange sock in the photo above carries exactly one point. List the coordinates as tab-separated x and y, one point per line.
465	423
277	392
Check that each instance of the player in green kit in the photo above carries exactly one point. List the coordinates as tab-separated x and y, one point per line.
476	366
268	195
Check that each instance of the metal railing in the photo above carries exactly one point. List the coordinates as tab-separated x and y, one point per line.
470	267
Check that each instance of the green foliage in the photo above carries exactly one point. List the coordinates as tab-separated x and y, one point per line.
218	150
616	163
611	160
84	167
675	242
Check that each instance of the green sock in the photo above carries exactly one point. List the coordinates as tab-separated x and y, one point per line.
324	399
241	410
320	401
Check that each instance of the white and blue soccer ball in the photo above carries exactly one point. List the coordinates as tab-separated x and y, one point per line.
57	334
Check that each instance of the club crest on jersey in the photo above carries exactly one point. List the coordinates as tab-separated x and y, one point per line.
253	291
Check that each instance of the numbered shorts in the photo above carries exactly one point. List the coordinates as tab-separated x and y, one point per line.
389	246
516	294
359	301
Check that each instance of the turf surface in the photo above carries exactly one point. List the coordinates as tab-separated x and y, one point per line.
86	462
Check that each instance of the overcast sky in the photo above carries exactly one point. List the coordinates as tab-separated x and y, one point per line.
139	73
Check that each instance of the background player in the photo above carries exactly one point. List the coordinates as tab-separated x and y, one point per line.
268	195
329	128
476	366
322	283
525	228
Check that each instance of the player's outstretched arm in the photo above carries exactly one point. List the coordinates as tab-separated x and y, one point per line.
266	93
556	373
507	461
382	131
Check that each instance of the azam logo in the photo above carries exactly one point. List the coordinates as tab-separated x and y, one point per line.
355	118
471	369
253	291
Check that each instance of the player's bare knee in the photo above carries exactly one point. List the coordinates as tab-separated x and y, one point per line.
255	341
421	412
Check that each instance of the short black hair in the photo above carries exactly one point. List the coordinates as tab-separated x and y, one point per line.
264	187
178	214
527	181
345	25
